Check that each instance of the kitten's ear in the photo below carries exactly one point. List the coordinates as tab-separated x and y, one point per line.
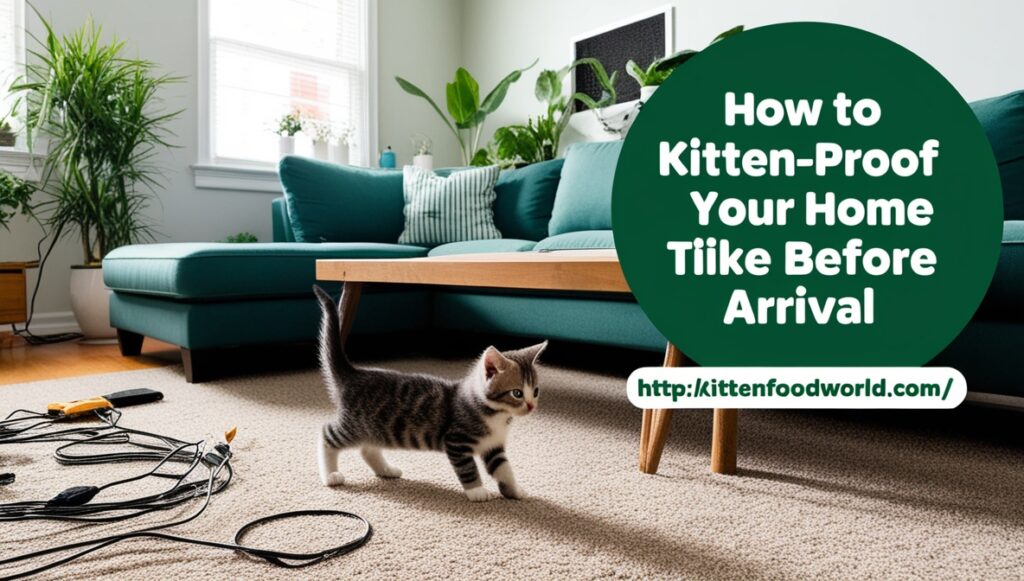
532	353
493	362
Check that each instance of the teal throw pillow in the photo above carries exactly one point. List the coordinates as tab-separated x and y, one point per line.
584	198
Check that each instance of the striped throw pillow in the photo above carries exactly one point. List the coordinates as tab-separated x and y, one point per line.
456	208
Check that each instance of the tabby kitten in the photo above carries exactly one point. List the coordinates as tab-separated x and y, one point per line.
380	408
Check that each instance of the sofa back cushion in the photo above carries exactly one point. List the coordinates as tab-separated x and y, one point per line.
1002	118
584	198
525	199
337	203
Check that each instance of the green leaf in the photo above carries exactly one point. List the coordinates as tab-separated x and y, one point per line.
669	63
496	97
463	97
481	158
416	91
727	34
549	86
638	74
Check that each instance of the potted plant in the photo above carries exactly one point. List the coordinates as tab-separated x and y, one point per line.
15	198
655	74
321	132
8	137
423	158
467	111
287	126
538	140
99	110
340	148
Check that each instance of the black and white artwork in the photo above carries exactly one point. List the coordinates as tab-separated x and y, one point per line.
642	38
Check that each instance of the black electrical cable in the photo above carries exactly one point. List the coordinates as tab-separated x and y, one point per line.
74	503
24	333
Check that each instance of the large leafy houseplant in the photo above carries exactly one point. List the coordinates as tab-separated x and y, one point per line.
98	112
538	139
466	110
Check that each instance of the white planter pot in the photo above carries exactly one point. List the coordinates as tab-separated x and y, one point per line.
90	301
424	161
646	92
320	150
339	153
286	145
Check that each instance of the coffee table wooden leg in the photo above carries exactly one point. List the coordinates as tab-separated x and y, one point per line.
349	303
723	441
656	423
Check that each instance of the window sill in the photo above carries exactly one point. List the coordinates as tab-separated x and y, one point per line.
236	178
19	162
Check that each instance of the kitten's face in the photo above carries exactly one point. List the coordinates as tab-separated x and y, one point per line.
511	379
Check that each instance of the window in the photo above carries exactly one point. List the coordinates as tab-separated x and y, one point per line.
12	50
266	58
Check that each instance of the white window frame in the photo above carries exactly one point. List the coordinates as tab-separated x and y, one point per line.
220	176
17	160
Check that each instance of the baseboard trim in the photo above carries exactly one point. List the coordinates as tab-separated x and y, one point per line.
52	323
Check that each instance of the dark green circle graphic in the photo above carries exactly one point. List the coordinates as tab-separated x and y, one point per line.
909	256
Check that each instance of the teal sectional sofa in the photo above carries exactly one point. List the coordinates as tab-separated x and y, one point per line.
209	297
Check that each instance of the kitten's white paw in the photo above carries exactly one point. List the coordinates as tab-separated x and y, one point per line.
479	494
514	491
389	471
333	479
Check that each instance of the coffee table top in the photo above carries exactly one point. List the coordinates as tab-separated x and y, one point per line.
568	270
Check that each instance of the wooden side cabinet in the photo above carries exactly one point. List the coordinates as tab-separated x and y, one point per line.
13	308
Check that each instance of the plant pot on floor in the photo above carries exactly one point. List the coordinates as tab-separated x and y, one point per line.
90	301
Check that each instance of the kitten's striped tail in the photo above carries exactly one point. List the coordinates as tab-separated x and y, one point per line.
333	360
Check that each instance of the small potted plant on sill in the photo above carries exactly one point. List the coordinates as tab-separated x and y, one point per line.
8	137
423	158
98	111
287	126
321	132
655	74
341	147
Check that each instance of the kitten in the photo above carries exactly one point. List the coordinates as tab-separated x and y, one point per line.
379	408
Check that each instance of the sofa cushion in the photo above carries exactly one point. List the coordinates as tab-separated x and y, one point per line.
214	271
1005	298
525	198
584	198
584	240
1002	118
483	247
453	208
327	202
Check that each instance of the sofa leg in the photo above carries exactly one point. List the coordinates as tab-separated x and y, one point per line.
129	342
197	365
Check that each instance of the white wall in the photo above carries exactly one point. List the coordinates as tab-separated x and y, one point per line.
417	39
976	44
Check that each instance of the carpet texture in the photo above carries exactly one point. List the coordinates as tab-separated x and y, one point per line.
839	496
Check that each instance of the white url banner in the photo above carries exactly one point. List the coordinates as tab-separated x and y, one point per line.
797	387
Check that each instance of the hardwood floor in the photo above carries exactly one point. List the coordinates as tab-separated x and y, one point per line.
21	363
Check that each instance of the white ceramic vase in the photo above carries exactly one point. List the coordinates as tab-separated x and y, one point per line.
425	161
339	153
320	150
286	144
646	92
90	301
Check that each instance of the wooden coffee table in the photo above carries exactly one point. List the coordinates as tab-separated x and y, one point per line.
568	270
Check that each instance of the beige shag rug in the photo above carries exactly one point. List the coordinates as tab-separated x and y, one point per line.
820	495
